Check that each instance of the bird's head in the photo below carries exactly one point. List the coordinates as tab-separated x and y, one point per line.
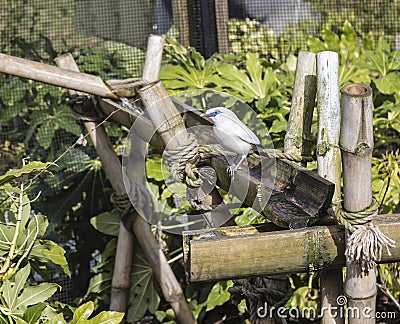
213	112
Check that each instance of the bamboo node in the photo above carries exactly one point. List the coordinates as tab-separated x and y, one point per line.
366	243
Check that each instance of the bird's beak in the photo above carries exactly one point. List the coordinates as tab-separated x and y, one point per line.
203	115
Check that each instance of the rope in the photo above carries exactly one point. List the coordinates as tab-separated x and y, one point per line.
366	243
123	204
257	291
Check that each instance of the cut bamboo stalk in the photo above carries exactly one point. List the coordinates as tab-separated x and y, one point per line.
329	163
55	76
152	64
222	18
121	281
261	250
356	142
298	135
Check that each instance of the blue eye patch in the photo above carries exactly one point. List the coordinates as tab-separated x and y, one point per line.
214	113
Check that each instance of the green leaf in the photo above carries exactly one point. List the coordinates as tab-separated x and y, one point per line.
32	314
155	169
48	251
31	168
388	84
219	294
107	317
107	223
11	292
45	133
36	294
143	294
82	313
58	319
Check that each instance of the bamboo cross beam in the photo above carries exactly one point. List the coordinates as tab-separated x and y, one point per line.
55	76
264	251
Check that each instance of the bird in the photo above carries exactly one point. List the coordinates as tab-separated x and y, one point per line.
232	135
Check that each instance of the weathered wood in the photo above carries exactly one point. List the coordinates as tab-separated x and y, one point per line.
222	18
298	135
356	143
152	64
55	75
329	164
328	106
256	251
121	281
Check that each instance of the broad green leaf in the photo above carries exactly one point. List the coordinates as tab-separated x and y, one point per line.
82	313
45	133
143	294
155	169
36	294
31	168
48	251
219	294
58	319
32	314
11	291
108	317
107	223
388	84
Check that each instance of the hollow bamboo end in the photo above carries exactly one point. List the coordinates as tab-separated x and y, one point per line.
357	90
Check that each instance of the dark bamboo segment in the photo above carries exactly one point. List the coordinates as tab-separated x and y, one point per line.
356	143
55	76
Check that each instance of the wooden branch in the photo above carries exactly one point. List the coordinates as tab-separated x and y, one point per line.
265	251
121	281
356	142
55	76
329	163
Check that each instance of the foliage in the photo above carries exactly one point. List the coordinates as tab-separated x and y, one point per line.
23	249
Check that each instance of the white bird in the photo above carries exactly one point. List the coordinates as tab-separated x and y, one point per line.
232	134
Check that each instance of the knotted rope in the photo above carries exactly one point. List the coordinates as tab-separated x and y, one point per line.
127	212
258	291
366	243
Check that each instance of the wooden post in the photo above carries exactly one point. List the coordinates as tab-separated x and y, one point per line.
329	163
55	75
356	142
152	64
222	18
181	20
121	281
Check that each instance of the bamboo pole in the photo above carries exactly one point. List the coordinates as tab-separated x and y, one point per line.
329	163
121	281
222	18
298	135
356	142
55	76
152	63
261	250
299	129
